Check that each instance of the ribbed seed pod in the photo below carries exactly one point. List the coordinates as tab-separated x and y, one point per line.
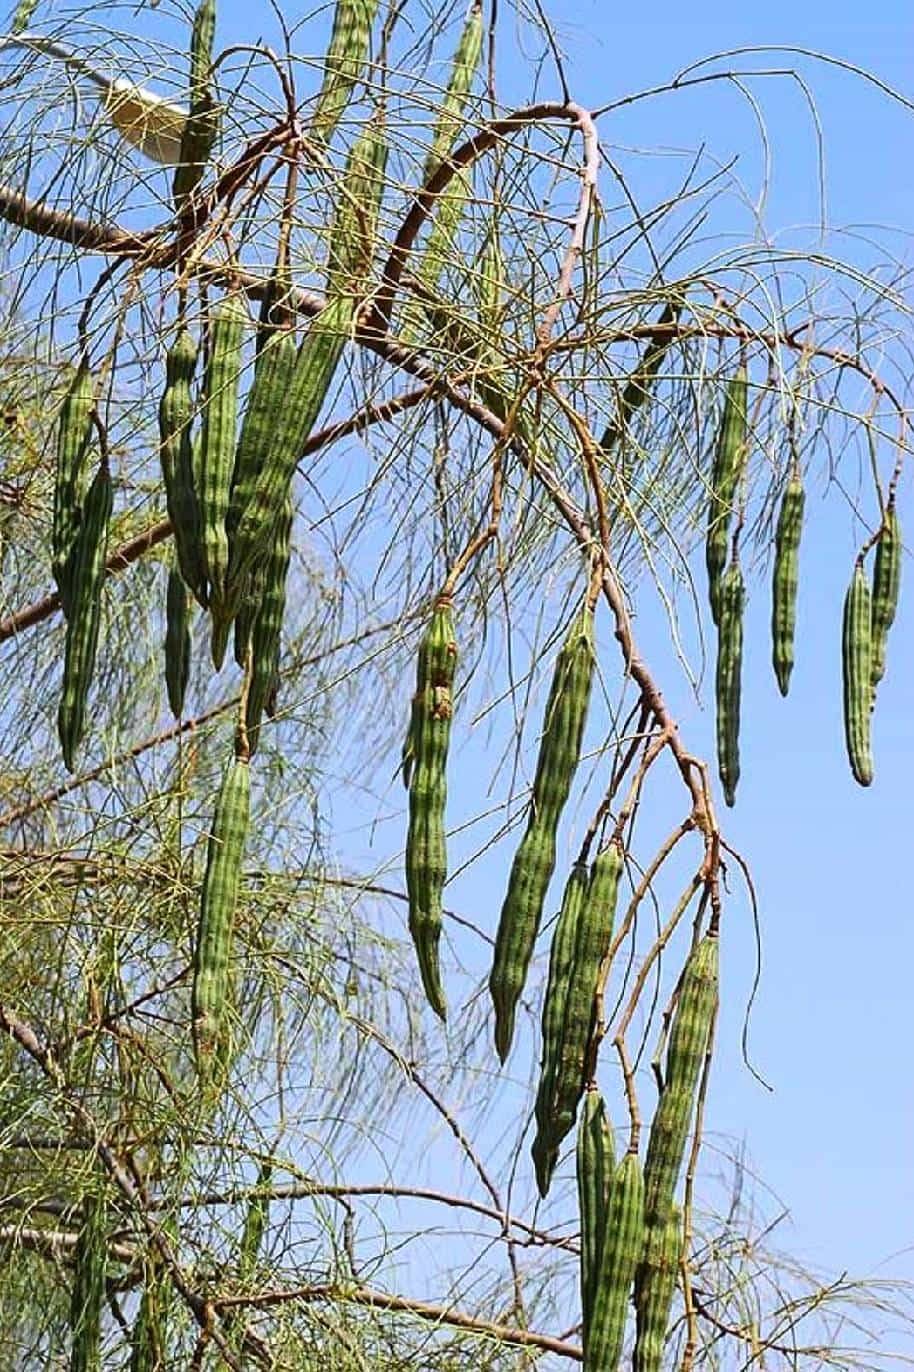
87	1295
595	1162
247	614
426	853
637	388
177	642
176	456
623	1246
87	578
688	1042
857	671
148	1349
655	1285
785	580
729	464
215	929
729	677
579	944
74	439
355	223
201	128
531	871
217	446
315	365
886	586
266	630
255	1224
343	64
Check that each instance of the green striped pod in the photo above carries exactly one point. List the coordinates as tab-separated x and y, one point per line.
688	1042
550	1128
355	223
177	642
176	456
857	672
595	1162
426	851
886	586
266	629
201	128
218	899
148	1350
450	110
256	1218
87	578
87	1295
580	942
655	1286
217	442
74	439
531	871
344	63
623	1246
637	388
315	364
785	580
247	615
729	677
729	464
273	317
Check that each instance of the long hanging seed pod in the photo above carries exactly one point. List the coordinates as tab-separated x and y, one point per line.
87	578
315	365
74	439
729	464
688	1042
346	57
149	1336
426	854
176	455
531	871
355	223
217	447
857	671
595	1163
266	631
637	388
785	580
579	944
729	677
210	993
256	1218
88	1291
177	642
623	1245
655	1285
202	126
886	587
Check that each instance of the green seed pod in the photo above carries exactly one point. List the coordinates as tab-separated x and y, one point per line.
217	443
266	630
263	422
729	677
451	109
857	669
86	577
623	1246
74	439
315	365
148	1349
531	871
688	1043
595	1163
579	944
886	586
729	465
655	1285
255	1224
215	930
637	388
88	1291
343	64
426	854
785	580
355	224
177	642
176	455
201	128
